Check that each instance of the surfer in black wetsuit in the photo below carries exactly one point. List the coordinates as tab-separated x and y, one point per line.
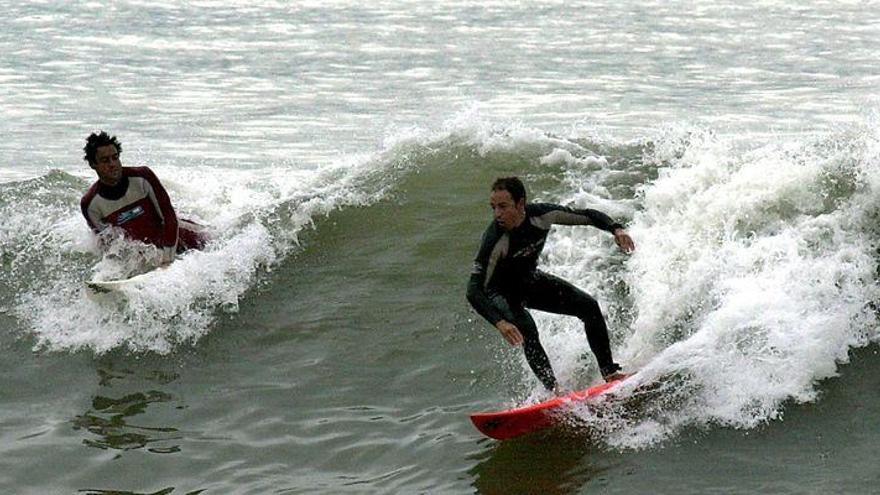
505	279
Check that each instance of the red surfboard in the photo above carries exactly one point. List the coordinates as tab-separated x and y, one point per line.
502	425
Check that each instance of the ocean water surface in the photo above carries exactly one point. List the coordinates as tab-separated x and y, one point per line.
341	153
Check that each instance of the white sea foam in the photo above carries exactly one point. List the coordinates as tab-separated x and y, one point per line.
255	216
752	278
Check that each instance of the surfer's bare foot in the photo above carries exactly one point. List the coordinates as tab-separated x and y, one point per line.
614	376
611	372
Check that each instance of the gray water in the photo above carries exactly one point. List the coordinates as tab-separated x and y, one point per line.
342	154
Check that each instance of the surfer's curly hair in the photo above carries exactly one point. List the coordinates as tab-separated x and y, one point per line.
512	185
95	141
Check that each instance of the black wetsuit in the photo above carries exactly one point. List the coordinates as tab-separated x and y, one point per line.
505	281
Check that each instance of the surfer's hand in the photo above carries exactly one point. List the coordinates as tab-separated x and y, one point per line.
509	332
167	258
624	241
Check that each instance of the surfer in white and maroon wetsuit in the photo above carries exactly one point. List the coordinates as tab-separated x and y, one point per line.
505	280
133	199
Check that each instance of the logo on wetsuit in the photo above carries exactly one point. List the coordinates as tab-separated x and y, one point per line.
129	215
529	249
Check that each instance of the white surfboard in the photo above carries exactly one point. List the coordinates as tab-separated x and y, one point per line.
105	286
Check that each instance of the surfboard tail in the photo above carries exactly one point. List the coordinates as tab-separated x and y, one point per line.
504	425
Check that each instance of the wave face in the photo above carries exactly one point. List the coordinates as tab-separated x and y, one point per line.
754	273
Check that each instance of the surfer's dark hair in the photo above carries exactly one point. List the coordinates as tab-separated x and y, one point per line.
512	185
95	141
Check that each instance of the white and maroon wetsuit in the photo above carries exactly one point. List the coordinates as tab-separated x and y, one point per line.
139	205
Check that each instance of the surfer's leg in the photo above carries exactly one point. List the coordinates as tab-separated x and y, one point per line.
554	295
535	354
534	351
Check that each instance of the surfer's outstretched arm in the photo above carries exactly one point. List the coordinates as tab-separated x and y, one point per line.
547	214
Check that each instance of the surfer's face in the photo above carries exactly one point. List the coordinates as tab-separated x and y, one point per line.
107	165
508	213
